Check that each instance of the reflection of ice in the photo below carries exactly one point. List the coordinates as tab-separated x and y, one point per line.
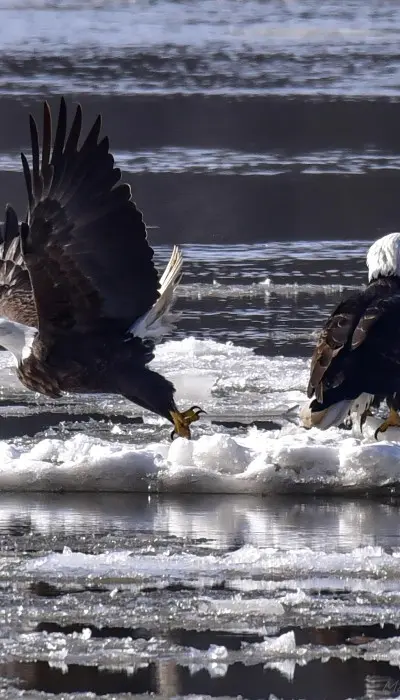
285	668
278	522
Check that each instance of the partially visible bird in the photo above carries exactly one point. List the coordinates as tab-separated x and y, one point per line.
357	356
81	299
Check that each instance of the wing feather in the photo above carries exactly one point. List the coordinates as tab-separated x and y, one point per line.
364	319
16	296
28	181
59	141
84	243
376	325
46	149
37	180
334	336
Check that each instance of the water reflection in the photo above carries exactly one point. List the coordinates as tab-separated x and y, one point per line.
332	680
225	522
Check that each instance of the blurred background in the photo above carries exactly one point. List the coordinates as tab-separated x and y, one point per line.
235	120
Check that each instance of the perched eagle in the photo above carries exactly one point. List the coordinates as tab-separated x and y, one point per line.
80	298
357	356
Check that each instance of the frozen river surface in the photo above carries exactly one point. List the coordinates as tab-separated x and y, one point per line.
259	560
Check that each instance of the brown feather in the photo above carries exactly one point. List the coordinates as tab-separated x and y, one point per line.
80	228
363	322
332	339
16	296
81	265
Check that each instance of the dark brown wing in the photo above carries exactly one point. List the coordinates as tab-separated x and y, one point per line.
84	243
335	334
16	296
365	316
379	326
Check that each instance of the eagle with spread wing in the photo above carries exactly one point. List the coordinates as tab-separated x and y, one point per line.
357	357
81	301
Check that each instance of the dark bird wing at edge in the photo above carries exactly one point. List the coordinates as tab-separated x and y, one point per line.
363	316
16	295
84	242
334	336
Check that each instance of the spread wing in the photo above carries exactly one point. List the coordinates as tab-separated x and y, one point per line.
84	241
16	296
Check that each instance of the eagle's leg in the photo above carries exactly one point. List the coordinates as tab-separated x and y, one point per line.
364	417
392	421
183	420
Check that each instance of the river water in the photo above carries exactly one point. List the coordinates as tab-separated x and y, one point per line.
259	560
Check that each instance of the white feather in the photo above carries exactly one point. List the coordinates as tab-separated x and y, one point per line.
333	415
17	338
383	258
360	405
158	321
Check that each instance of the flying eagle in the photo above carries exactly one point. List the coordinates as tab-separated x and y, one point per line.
81	301
357	357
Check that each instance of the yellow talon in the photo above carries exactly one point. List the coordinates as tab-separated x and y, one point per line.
392	421
182	421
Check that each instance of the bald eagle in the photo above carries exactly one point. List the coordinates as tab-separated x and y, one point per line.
81	301
357	356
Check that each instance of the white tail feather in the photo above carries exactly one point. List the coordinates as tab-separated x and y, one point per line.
158	321
172	271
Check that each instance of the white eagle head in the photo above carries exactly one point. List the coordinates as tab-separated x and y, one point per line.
383	258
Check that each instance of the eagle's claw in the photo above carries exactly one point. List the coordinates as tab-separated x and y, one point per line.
182	421
392	421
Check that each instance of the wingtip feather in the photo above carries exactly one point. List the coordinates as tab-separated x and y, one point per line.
28	179
11	227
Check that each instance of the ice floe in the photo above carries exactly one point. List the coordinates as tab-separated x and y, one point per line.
225	379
